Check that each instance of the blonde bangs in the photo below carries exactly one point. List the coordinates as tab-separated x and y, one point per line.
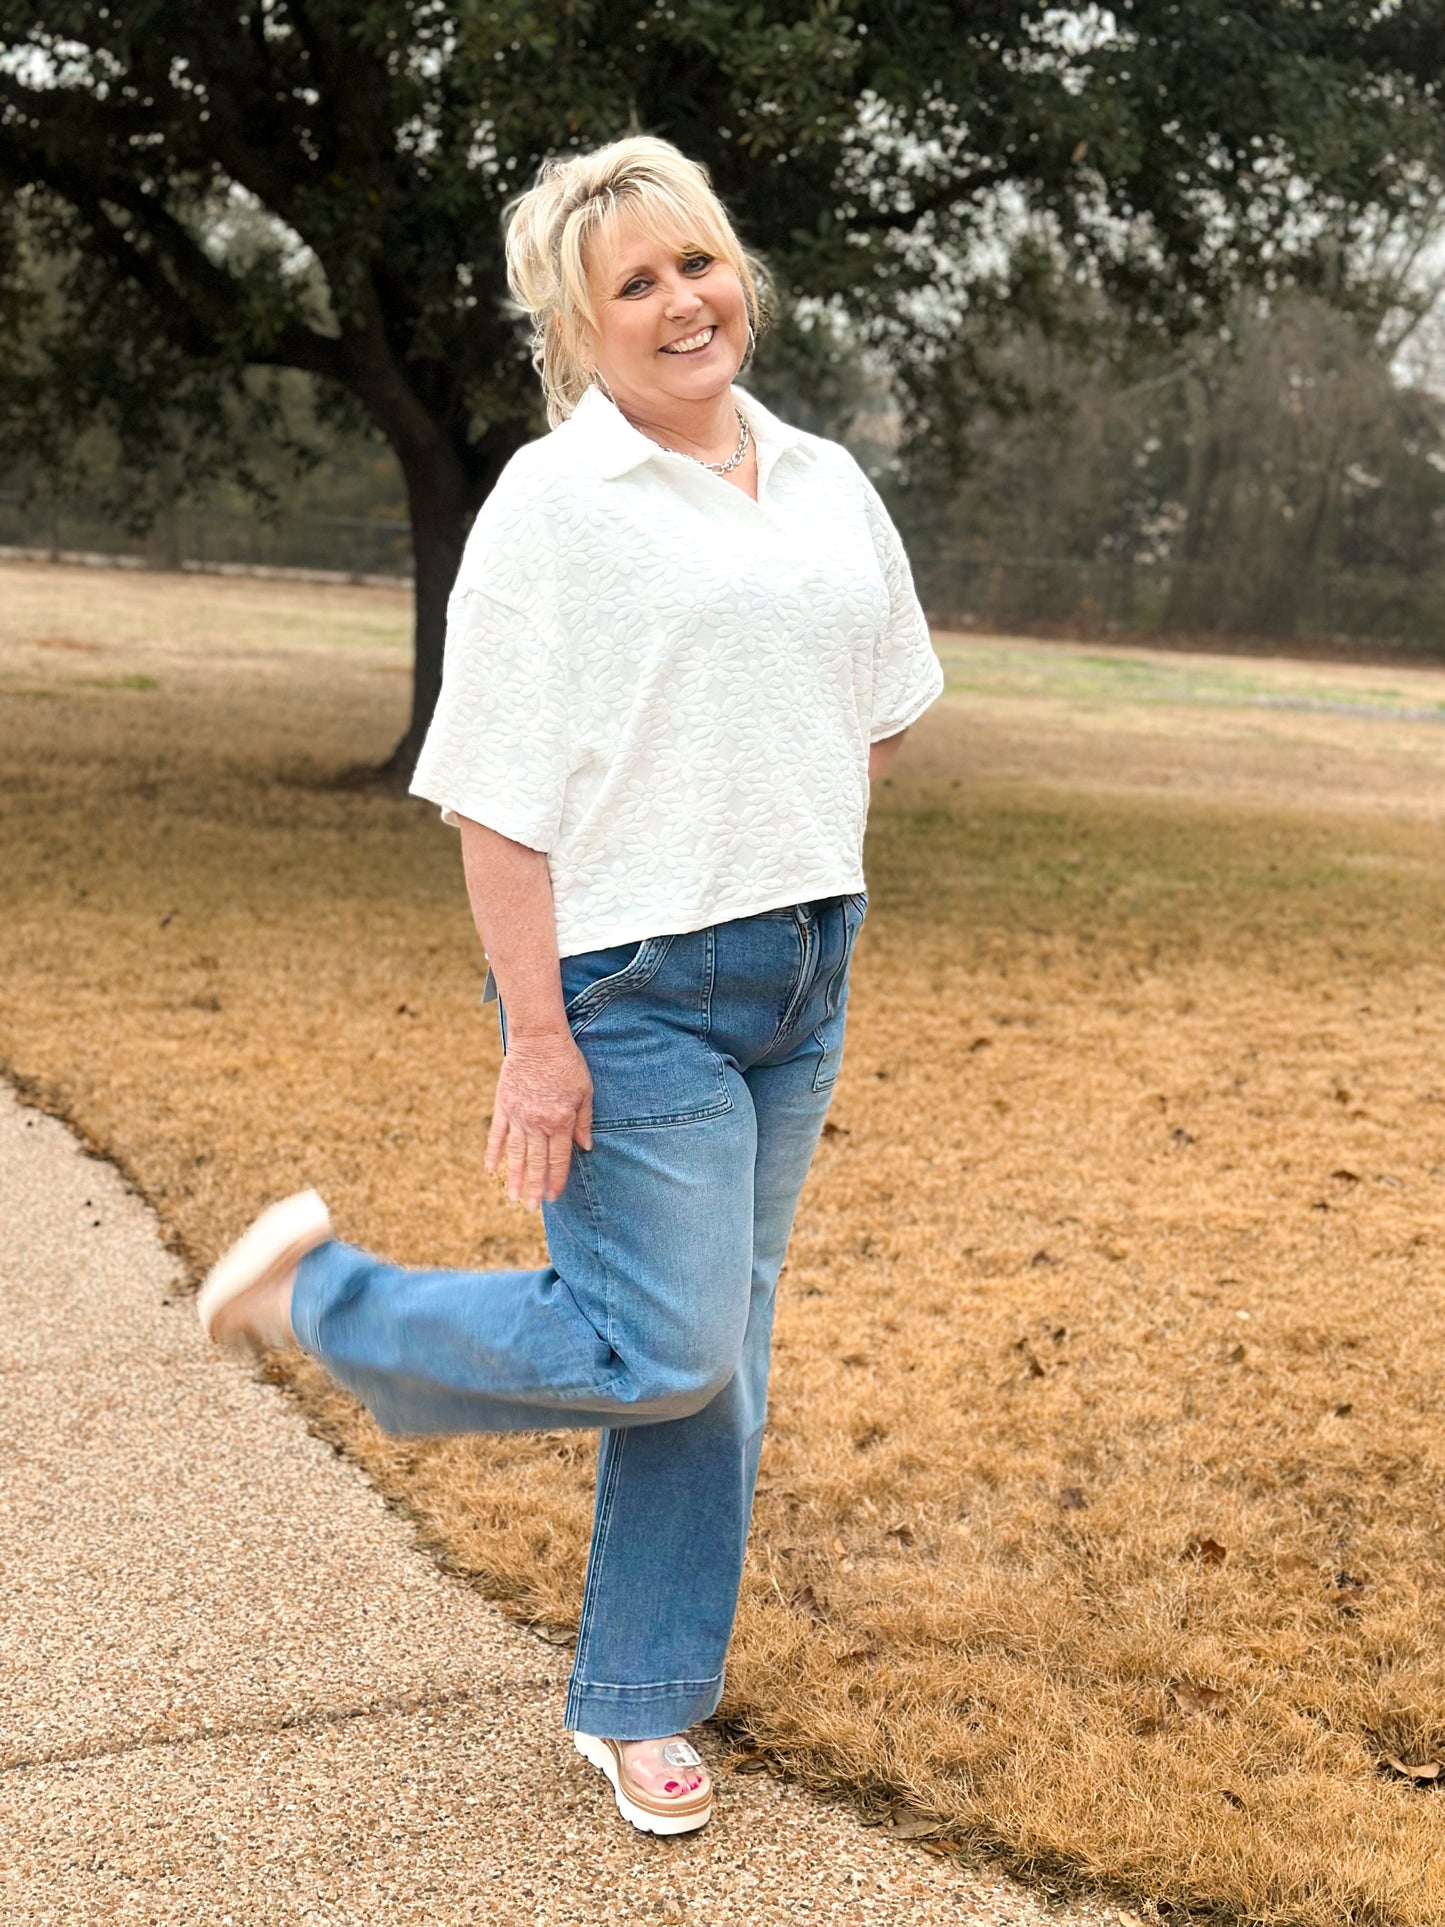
681	226
552	230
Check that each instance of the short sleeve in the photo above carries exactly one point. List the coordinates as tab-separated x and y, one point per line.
907	675
496	750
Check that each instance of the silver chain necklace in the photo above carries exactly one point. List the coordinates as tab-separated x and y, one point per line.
719	468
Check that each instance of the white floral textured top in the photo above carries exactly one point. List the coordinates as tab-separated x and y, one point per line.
668	687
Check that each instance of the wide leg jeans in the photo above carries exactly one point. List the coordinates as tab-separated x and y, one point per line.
713	1057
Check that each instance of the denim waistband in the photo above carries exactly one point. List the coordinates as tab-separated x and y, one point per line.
788	911
805	913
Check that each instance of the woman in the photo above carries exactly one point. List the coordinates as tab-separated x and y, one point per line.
682	639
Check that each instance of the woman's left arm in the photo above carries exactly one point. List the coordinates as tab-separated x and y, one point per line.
881	755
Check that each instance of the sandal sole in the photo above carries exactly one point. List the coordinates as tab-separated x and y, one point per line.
602	1756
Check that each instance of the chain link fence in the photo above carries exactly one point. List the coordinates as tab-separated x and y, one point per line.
1229	605
353	548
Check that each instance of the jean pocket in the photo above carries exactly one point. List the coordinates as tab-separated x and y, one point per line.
598	976
829	1034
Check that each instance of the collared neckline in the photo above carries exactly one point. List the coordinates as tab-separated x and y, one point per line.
612	447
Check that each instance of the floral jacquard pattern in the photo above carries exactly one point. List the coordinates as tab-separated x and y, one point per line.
669	688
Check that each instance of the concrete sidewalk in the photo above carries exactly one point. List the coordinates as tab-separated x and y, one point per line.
232	1690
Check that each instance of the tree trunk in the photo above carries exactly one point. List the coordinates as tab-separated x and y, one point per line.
443	495
447	480
1188	605
436	489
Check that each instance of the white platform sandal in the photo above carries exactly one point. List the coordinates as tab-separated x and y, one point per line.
651	1812
275	1244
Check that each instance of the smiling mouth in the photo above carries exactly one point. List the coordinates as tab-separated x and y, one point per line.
690	344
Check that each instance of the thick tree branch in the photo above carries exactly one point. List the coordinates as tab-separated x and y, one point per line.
377	376
302	348
196	302
347	79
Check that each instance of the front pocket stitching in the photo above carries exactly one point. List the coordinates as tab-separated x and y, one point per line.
821	1083
592	1001
795	996
717	1109
850	940
819	1080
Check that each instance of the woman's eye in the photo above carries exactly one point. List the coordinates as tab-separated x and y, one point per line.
691	264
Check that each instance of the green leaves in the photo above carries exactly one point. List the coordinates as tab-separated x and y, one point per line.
319	185
859	145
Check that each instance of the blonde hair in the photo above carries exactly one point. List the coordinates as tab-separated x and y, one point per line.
549	227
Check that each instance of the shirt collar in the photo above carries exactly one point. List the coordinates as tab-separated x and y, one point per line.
610	446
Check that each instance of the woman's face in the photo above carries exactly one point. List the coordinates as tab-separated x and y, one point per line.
672	326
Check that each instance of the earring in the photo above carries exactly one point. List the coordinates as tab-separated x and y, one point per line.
601	382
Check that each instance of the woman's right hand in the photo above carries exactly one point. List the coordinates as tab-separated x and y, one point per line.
542	1108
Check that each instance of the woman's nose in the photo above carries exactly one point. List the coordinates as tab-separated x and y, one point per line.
682	300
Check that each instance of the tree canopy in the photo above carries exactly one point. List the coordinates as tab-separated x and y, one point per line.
189	193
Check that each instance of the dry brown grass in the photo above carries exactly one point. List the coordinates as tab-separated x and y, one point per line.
1102	1505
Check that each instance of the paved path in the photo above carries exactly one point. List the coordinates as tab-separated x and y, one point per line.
232	1690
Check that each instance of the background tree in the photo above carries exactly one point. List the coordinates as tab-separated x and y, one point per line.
1294	435
318	185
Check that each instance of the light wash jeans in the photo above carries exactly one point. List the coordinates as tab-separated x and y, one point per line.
713	1057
